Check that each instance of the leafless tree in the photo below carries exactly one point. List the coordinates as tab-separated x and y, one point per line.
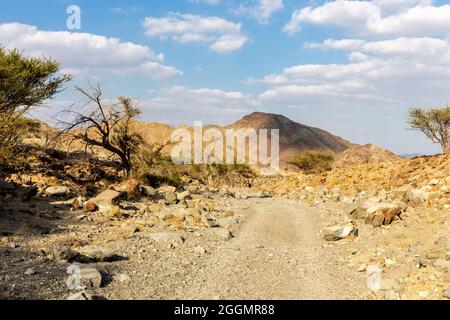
104	125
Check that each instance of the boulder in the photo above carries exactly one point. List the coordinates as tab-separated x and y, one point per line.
58	192
383	213
98	254
338	232
148	191
360	212
222	233
107	200
82	275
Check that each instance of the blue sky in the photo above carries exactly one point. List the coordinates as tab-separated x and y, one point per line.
350	67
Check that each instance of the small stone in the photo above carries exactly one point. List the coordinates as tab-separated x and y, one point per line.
223	233
200	251
83	273
80	296
98	254
29	272
58	191
123	277
336	233
90	207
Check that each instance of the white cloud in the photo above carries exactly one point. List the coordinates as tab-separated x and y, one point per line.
398	72
83	52
262	11
182	105
221	35
376	18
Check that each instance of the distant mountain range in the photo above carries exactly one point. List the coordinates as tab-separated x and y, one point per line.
295	138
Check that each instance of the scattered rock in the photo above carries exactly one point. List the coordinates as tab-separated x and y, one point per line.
223	233
148	191
336	233
107	200
29	272
98	254
80	296
83	274
58	192
63	254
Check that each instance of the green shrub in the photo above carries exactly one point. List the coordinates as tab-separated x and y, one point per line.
311	162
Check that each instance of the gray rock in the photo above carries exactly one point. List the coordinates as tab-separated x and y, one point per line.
374	278
148	191
98	254
83	274
171	237
63	254
223	233
29	272
58	192
336	233
80	296
108	200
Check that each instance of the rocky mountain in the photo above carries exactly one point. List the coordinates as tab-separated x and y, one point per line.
294	137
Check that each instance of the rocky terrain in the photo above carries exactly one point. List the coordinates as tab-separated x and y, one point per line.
371	231
375	227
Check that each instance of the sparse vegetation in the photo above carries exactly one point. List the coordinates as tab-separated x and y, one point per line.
105	125
434	123
25	83
311	162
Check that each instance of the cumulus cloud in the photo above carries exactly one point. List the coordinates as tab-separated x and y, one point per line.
221	35
262	11
80	53
182	105
376	18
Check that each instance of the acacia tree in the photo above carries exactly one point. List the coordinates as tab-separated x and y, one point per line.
105	125
434	123
25	83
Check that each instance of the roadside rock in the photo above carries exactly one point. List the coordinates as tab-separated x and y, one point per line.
107	200
58	192
98	254
336	233
83	275
148	191
222	233
80	296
